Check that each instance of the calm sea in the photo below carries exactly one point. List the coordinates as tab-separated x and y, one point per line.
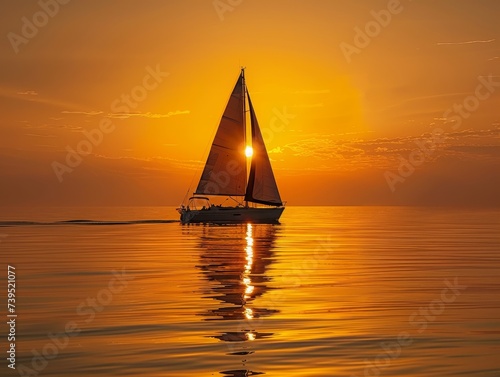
331	291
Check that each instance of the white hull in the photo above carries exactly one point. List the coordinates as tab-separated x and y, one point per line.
228	215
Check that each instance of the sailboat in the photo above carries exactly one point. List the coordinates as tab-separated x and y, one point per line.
225	172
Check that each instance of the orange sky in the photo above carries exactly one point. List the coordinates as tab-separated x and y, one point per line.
339	111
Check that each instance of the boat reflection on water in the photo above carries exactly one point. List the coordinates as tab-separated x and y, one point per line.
234	260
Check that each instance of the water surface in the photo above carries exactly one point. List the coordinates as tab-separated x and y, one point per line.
331	291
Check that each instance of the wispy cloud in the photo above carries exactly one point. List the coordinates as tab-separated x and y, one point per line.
28	93
477	150
33	97
39	135
128	115
148	114
182	165
82	112
321	148
46	126
320	91
465	42
381	153
490	76
426	98
276	150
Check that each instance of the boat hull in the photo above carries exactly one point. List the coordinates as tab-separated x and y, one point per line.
230	215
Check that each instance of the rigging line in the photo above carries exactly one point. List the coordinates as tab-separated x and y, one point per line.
239	203
190	185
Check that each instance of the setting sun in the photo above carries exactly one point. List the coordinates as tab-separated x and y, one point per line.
248	151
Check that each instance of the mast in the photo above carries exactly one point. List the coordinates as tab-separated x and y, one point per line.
243	94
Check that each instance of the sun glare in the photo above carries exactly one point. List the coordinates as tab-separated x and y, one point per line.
249	151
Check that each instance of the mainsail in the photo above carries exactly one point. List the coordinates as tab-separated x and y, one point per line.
225	170
262	187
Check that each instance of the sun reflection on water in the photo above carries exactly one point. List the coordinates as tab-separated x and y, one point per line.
234	260
247	281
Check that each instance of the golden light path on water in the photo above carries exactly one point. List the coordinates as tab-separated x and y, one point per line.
325	293
247	281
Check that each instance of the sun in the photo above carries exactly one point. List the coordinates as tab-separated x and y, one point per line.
248	151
